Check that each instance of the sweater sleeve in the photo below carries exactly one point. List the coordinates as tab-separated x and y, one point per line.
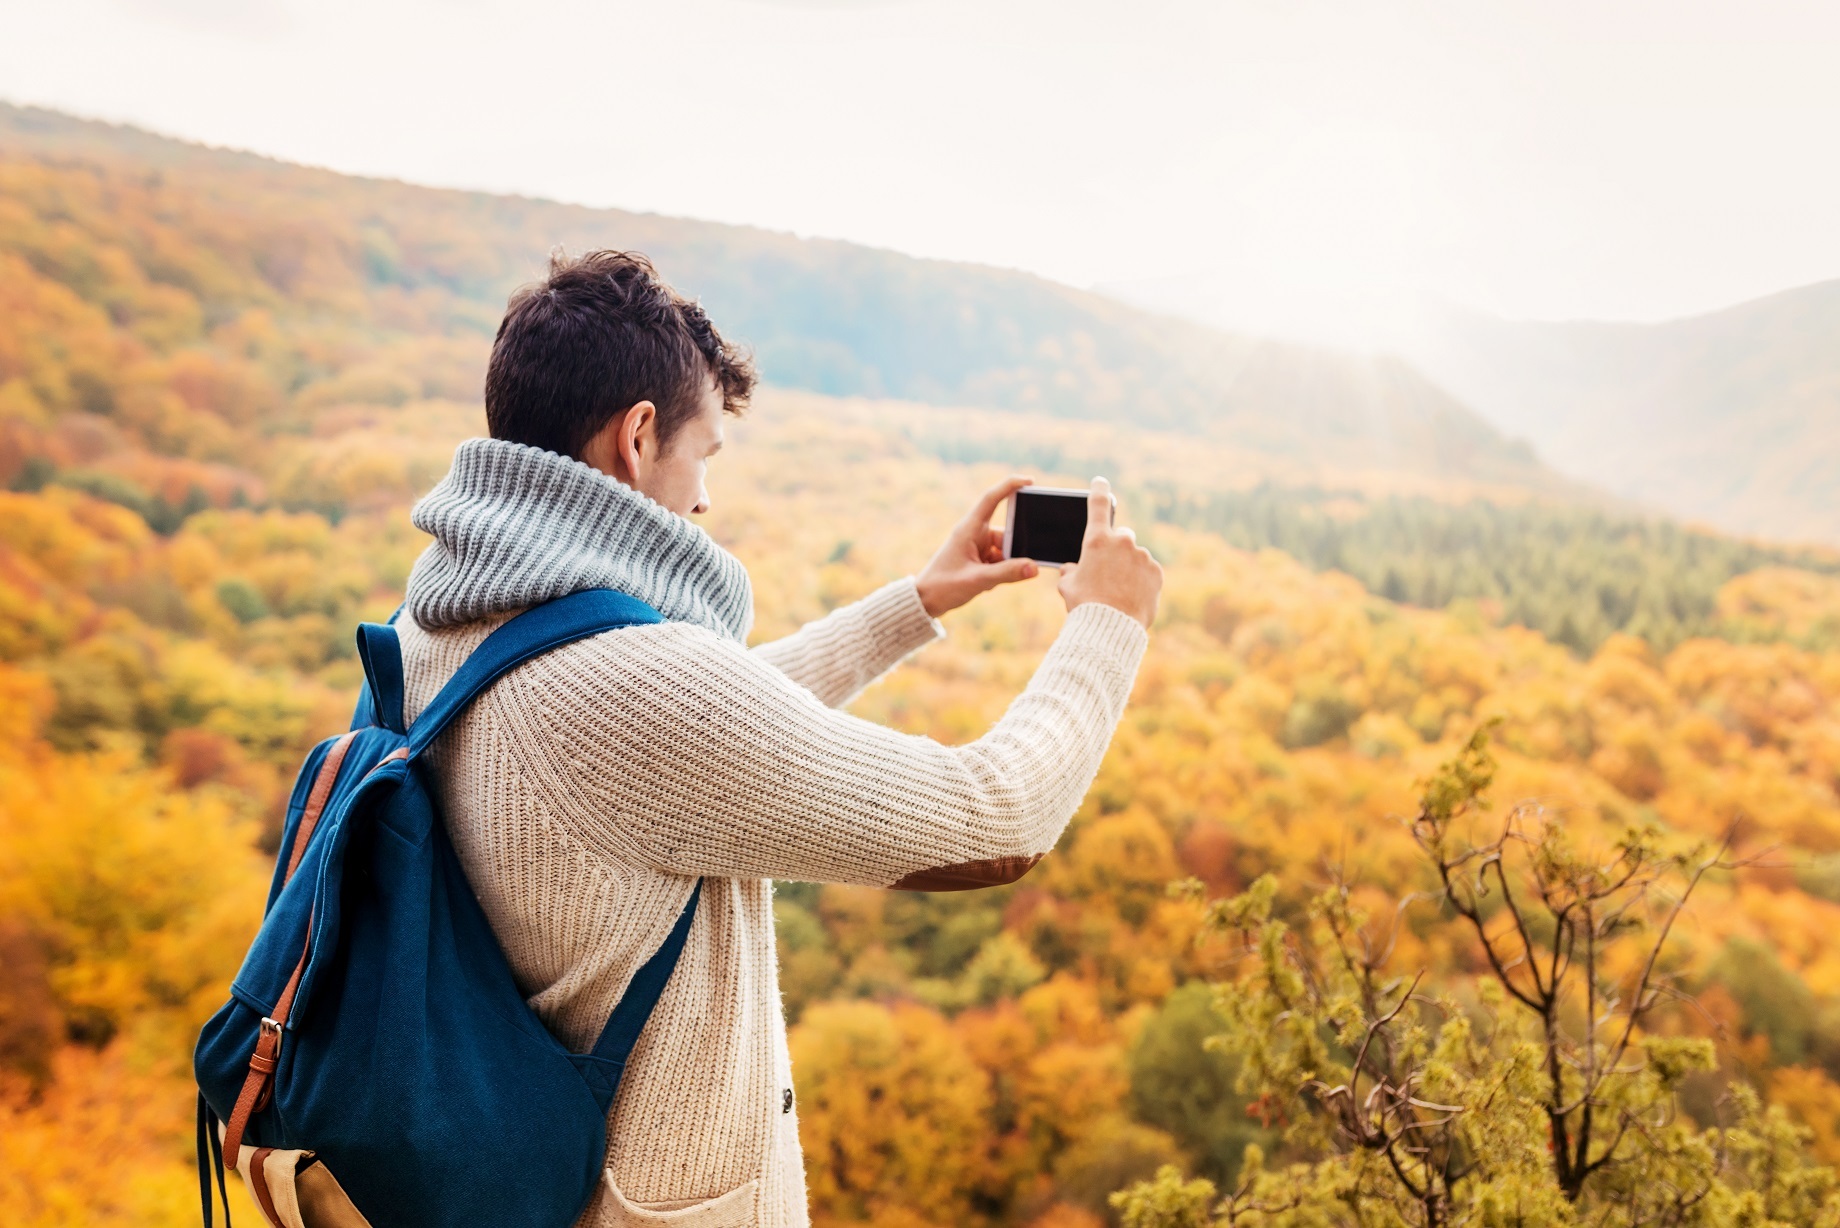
843	652
700	758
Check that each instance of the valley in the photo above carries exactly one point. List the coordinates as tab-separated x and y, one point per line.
223	381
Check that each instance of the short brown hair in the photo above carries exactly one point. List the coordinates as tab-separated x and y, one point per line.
601	333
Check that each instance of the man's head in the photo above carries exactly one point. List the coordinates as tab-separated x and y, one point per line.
603	362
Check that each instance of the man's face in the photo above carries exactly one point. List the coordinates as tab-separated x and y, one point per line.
678	480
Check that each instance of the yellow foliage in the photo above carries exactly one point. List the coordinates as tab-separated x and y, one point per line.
1813	1099
25	702
145	896
1065	1088
109	1142
1781	601
139	900
891	1110
1066	1215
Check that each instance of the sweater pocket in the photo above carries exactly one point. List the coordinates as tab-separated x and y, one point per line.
735	1209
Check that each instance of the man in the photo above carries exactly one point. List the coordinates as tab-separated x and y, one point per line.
590	789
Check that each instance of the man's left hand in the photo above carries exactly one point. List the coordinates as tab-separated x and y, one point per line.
971	561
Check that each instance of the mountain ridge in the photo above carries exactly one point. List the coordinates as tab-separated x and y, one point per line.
1729	416
823	315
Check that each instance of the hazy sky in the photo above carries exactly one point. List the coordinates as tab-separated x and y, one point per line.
1294	164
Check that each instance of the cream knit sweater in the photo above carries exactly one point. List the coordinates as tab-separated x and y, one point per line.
589	789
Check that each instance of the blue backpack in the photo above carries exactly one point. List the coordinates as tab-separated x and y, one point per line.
375	1020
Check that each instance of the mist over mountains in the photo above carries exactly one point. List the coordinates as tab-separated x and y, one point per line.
1732	417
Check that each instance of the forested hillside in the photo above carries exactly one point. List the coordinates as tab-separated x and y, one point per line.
829	317
1036	1039
1577	575
217	408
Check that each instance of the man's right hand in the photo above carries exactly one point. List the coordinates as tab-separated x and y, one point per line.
1113	569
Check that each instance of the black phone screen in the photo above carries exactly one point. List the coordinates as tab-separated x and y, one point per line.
1048	526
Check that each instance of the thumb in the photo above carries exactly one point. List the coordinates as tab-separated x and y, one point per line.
1099	505
1011	570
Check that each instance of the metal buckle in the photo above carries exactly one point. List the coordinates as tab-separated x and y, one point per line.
272	1027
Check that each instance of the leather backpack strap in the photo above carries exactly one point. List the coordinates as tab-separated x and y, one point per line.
258	1185
258	1083
529	635
317	798
635	1008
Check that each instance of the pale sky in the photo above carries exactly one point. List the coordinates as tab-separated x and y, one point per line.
1302	166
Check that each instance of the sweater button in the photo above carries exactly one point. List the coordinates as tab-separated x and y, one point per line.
785	1101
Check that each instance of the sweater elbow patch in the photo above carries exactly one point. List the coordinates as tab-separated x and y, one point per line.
969	875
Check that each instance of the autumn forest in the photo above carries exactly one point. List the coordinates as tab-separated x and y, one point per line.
1468	854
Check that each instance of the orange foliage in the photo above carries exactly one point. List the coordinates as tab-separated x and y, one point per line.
892	1100
106	1144
1815	1101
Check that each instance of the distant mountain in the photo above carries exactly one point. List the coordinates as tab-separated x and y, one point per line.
1732	418
825	316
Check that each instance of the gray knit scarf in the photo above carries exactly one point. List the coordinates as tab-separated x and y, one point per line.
515	526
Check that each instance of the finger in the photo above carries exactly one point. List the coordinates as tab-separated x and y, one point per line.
1011	570
1099	505
986	506
992	543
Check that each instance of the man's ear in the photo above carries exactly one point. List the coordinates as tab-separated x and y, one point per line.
627	446
638	442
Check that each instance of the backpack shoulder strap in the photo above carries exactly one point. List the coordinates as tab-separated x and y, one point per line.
531	634
628	1019
647	986
369	711
381	653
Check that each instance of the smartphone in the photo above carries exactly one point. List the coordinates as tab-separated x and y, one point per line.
1047	524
